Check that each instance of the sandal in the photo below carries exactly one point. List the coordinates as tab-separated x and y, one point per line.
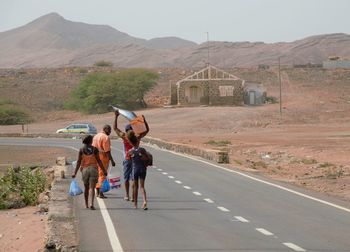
144	206
126	198
92	208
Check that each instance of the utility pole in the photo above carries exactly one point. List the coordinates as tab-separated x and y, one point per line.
208	47
280	82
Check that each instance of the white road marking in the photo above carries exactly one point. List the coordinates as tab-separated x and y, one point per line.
263	181
171	177
178	181
160	169
240	218
197	193
187	187
209	200
293	246
223	209
264	231
112	235
165	173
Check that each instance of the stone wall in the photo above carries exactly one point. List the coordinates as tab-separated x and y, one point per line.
183	95
216	99
210	92
173	94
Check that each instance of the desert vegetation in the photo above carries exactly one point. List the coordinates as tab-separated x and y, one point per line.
21	186
11	114
125	89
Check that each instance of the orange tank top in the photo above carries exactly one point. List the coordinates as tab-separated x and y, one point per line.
88	160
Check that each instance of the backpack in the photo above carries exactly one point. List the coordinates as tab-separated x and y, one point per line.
145	156
149	159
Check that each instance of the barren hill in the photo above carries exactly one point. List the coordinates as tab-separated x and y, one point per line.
308	145
52	41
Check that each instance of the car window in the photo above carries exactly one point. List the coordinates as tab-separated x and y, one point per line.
70	127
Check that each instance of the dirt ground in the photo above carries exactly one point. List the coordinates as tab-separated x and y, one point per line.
23	229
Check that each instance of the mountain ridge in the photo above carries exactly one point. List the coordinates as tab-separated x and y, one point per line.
52	41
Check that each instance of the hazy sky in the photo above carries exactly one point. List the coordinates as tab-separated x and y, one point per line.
225	20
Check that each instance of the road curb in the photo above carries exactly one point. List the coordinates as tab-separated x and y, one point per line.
219	156
61	228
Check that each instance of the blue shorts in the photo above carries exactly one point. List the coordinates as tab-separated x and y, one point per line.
127	169
139	174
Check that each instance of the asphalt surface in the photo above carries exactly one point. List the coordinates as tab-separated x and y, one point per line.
198	206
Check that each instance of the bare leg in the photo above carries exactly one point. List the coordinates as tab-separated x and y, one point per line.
127	186
92	193
98	192
142	185
133	190
86	195
135	186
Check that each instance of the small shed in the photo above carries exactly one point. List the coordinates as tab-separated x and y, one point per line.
209	86
254	93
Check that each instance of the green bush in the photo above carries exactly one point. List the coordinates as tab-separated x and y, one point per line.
24	185
11	115
5	102
271	99
125	89
81	70
103	63
219	143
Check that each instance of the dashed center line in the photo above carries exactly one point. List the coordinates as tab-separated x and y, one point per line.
264	231
223	209
209	200
293	246
240	218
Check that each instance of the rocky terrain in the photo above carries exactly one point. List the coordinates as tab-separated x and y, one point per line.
52	41
306	145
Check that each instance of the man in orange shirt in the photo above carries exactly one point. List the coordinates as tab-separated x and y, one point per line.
103	143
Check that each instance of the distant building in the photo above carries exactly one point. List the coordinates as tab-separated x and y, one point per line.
263	66
335	62
308	65
209	86
254	93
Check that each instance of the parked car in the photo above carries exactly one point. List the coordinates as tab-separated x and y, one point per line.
79	128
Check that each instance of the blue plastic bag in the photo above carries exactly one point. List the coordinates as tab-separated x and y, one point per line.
105	187
74	188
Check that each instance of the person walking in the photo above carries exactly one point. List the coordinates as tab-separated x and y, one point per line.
88	162
127	169
138	157
103	143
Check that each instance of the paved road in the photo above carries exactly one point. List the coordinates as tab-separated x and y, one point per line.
198	206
